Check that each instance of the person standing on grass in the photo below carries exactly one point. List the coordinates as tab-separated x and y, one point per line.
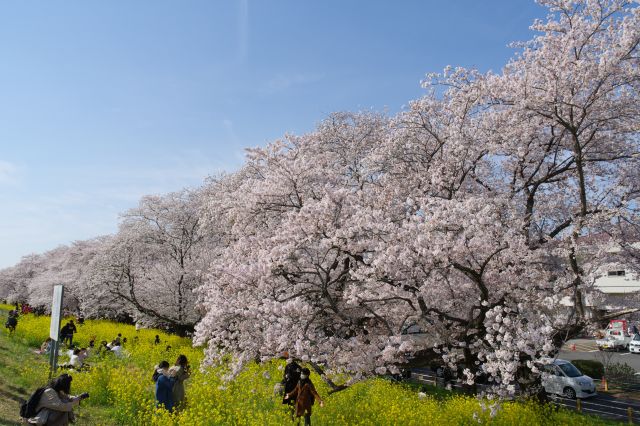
305	394
180	372
66	333
12	322
164	386
290	381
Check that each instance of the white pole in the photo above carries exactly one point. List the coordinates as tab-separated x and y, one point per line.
54	331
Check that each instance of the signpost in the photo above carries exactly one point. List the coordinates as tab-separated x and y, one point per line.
54	331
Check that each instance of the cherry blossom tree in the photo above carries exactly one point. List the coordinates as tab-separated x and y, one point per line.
33	278
14	281
462	215
155	262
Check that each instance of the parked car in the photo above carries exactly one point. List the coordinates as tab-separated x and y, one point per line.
634	344
564	378
614	340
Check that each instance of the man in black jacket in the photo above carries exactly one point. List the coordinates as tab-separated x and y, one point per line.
66	333
290	380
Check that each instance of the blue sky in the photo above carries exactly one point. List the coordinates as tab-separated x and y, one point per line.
103	102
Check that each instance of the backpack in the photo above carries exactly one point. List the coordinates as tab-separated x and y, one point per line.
28	408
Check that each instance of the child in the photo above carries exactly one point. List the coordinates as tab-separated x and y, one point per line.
304	393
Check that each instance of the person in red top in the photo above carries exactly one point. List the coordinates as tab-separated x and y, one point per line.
305	394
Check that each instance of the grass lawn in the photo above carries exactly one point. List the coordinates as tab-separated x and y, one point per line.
121	389
15	386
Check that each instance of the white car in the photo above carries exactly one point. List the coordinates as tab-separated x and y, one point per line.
634	344
564	378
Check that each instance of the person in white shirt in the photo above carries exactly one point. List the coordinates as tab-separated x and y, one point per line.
76	359
117	350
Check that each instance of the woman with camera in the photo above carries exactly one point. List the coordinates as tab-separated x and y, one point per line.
55	407
180	372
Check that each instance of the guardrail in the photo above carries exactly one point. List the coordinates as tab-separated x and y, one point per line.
626	384
615	410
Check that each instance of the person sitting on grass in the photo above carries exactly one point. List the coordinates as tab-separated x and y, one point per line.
103	348
305	394
77	359
91	349
45	347
56	404
116	348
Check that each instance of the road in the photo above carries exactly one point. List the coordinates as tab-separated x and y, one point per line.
602	405
587	349
605	406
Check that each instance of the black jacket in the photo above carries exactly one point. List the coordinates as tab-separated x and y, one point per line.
290	379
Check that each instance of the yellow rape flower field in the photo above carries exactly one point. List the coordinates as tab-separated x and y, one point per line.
122	391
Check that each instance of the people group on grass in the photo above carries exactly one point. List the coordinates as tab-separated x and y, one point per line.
296	387
298	390
170	383
53	404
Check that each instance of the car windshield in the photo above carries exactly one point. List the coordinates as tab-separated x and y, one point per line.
636	337
570	370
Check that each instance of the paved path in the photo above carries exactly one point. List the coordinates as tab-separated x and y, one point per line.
587	349
580	345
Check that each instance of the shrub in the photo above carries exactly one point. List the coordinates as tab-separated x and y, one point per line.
620	371
590	367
